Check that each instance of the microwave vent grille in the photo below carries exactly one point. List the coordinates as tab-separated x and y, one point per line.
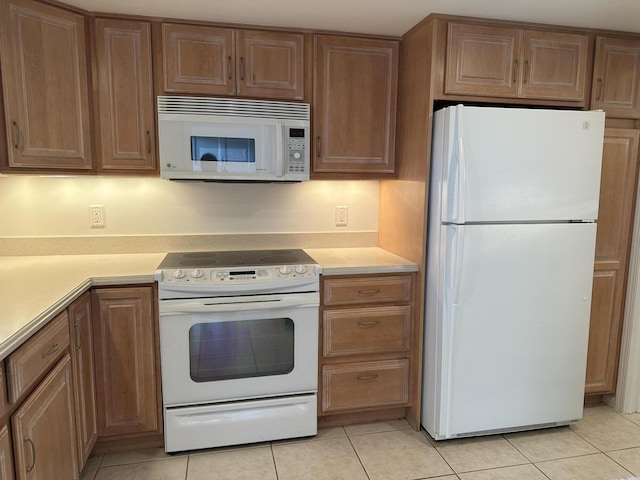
232	107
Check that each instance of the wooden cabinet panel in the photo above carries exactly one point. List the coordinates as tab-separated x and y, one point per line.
198	59
36	356
554	65
509	62
616	77
125	96
366	348
482	60
44	431
84	382
357	331
45	87
270	64
365	385
6	455
355	95
617	197
225	61
126	356
367	289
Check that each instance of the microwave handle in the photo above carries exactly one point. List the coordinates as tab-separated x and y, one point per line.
280	147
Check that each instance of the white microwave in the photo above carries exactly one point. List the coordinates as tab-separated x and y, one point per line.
223	139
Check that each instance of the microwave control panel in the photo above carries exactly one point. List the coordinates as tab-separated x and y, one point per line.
297	146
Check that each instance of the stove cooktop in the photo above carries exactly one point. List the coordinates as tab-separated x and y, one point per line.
235	258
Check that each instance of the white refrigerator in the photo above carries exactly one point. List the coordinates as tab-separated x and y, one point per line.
511	242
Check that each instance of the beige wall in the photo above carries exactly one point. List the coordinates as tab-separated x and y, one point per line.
32	206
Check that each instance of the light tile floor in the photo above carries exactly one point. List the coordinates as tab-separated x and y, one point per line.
603	446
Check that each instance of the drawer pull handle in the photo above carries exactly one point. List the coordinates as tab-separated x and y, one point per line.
515	71
526	71
368	293
148	142
229	67
242	68
318	147
367	378
33	453
51	351
368	324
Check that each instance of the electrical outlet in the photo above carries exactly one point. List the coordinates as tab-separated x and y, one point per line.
96	216
342	216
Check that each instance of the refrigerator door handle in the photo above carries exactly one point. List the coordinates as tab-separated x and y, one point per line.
456	250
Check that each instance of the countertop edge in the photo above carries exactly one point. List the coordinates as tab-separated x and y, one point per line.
12	343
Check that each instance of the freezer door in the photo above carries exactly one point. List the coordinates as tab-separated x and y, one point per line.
511	164
512	327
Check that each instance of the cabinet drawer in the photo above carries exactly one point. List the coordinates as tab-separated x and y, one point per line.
363	385
357	331
33	359
345	291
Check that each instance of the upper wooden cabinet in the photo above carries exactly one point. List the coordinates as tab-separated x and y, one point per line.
616	77
226	61
125	96
354	99
512	62
44	70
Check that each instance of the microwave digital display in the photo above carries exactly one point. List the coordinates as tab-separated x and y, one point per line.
296	132
222	149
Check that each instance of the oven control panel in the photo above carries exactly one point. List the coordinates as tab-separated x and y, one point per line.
238	275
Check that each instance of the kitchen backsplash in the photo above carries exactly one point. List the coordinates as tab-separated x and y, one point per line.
34	208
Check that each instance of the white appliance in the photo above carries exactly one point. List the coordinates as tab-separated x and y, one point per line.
238	347
511	243
226	139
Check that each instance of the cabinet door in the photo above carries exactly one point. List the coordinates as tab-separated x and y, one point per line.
615	218
125	354
482	60
554	65
45	87
616	77
44	435
6	455
198	59
355	94
84	381
270	64
125	96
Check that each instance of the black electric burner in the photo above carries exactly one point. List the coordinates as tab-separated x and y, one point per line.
235	258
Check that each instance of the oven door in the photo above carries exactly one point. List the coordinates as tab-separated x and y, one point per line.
233	348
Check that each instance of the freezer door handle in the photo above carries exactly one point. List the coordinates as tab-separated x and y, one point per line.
457	171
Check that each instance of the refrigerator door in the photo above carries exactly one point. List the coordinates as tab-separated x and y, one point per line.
548	168
511	329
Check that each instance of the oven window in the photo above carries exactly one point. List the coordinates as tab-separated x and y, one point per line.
222	149
241	349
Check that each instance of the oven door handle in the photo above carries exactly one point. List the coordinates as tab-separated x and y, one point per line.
170	307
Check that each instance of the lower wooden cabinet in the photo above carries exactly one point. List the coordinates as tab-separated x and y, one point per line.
84	380
6	455
126	356
44	431
365	346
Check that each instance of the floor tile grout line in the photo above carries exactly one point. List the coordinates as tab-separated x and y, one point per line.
366	474
618	463
273	458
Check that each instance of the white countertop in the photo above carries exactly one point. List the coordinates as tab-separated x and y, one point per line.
34	289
